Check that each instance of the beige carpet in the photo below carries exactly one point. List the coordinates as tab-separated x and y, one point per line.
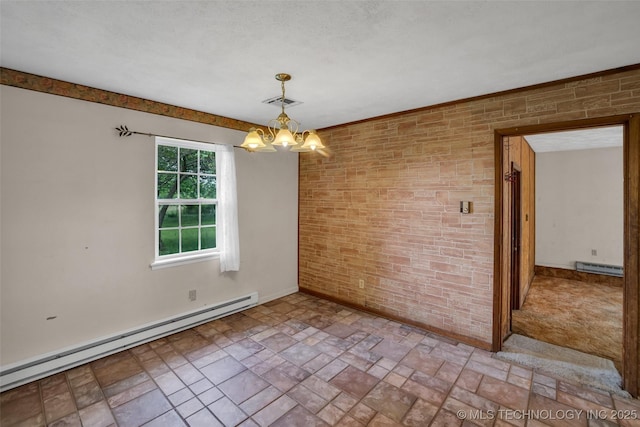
580	315
562	362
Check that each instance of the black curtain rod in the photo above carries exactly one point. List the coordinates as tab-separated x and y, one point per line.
124	131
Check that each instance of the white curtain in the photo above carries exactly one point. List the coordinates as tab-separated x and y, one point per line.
228	240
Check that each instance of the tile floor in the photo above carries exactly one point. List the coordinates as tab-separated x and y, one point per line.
304	361
579	314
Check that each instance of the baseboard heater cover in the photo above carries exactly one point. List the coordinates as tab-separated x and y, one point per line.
20	373
590	267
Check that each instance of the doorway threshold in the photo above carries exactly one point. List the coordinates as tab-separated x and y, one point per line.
572	365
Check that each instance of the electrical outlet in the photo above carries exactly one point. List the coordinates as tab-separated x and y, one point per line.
192	295
361	283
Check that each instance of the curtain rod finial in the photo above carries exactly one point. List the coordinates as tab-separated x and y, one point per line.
123	131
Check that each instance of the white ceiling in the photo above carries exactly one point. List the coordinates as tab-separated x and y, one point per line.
350	60
584	139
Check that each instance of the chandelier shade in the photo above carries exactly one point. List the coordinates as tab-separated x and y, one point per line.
282	132
253	140
284	137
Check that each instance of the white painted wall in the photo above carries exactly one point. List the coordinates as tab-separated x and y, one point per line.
77	224
579	207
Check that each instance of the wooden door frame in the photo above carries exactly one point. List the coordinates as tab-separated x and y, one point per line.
631	292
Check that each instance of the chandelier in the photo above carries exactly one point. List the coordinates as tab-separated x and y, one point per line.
282	132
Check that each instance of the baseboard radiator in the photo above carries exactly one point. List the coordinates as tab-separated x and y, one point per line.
20	373
590	267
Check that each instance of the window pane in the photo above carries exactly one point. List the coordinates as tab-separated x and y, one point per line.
189	239
167	158
188	187
188	160
208	187
189	215
167	185
208	215
207	162
185	177
168	216
168	242
208	237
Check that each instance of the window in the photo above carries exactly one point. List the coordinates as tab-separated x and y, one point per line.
186	201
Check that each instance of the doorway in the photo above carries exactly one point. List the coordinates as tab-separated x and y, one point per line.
575	297
504	292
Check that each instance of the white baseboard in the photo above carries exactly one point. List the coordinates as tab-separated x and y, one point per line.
41	366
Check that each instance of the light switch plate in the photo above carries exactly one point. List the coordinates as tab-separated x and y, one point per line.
465	207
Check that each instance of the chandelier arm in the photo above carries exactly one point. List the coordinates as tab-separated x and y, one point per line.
260	131
295	127
271	127
301	135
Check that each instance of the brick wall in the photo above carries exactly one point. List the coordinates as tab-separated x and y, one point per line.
385	207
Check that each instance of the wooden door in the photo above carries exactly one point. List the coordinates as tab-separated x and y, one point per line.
516	236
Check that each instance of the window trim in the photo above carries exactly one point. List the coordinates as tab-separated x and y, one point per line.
181	258
187	259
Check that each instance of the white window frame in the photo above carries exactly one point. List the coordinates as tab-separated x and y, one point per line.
170	260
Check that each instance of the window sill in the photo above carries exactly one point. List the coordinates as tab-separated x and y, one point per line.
187	259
